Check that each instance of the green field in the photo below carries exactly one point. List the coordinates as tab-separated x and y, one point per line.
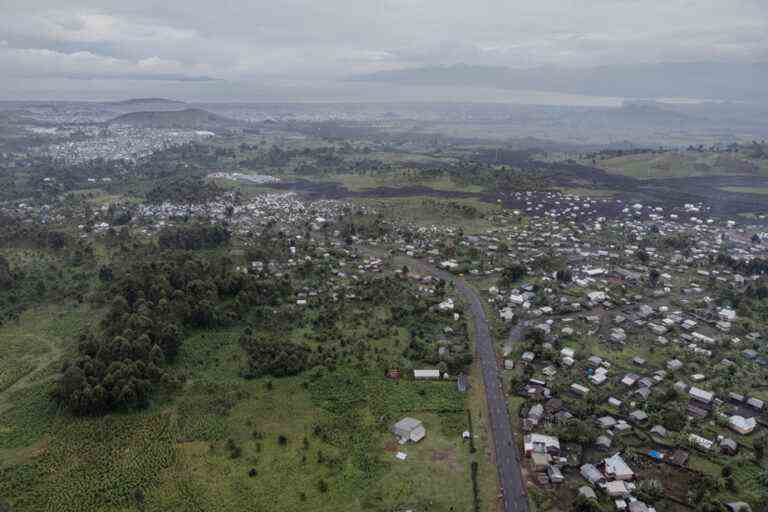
195	448
682	165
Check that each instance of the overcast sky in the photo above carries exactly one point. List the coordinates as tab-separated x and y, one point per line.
241	40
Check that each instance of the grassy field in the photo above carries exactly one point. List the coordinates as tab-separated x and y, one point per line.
319	441
467	214
682	165
360	183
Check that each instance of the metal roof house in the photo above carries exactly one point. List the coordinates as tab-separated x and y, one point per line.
409	430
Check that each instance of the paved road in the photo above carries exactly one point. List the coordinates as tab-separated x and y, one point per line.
514	498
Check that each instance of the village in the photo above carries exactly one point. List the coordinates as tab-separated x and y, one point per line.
628	371
510	348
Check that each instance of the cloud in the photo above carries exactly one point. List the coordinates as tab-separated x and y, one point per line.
332	38
87	65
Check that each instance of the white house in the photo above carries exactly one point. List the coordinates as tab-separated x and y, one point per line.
742	425
701	395
426	374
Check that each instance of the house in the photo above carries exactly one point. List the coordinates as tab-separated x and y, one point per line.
755	403
409	430
742	425
555	475
679	458
616	488
426	374
592	474
659	431
630	379
579	390
645	311
701	442
540	443
606	421
618	469
618	335
638	416
535	413
595	361
599	377
674	365
701	395
603	443
597	296
728	446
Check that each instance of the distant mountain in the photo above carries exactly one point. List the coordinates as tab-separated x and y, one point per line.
704	80
191	118
146	102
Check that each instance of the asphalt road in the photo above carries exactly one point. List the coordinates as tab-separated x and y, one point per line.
514	497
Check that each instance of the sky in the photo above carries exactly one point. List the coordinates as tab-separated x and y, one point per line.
145	45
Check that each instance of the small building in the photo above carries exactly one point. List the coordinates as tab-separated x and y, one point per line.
540	443
616	488
638	416
674	365
679	458
426	374
409	430
603	443
701	442
701	395
728	446
579	390
592	474
618	469
742	425
555	475
755	403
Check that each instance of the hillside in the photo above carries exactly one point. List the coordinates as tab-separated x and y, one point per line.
191	118
132	102
707	80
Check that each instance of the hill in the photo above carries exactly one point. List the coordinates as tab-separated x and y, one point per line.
706	80
191	118
133	102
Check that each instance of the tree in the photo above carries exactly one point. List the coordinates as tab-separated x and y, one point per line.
6	277
584	504
759	445
653	277
564	275
511	275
